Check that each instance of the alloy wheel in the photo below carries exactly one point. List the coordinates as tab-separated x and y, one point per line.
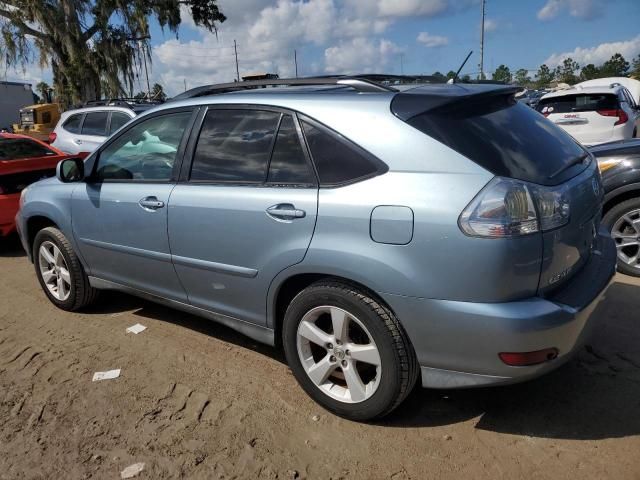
626	234
338	354
54	271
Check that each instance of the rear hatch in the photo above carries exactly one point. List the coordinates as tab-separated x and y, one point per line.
511	140
588	117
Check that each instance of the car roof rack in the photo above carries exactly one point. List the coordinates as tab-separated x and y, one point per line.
359	84
120	102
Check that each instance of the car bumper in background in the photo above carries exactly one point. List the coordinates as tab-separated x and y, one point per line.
8	207
458	343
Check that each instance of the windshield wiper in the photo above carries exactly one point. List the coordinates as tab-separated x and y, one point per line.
579	159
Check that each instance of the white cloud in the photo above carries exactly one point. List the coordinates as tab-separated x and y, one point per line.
360	55
431	41
490	25
598	54
584	9
408	8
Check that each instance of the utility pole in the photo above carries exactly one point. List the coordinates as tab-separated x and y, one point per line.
295	60
235	48
185	84
402	64
482	43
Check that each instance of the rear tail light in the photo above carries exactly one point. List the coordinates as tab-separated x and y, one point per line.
621	114
52	137
510	208
524	359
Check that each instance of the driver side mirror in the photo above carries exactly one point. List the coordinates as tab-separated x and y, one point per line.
70	170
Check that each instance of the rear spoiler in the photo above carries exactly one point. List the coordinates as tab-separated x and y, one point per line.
410	103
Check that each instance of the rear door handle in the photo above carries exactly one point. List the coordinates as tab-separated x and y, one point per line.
151	203
285	211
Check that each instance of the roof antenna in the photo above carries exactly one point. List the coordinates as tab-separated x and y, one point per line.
455	77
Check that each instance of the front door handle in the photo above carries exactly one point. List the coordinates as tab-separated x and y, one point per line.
285	211
151	203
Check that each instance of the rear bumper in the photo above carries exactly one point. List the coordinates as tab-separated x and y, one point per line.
457	343
8	207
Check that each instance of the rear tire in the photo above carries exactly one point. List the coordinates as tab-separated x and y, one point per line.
624	231
367	367
60	272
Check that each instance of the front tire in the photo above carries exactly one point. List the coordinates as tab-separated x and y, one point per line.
623	221
60	272
348	351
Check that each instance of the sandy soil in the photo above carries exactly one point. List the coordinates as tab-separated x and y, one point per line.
196	400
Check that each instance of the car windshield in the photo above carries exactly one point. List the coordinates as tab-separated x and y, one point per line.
586	102
20	148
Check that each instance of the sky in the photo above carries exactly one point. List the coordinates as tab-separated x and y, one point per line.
390	36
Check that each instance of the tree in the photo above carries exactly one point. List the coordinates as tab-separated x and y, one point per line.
635	72
566	72
521	77
502	74
94	47
544	76
451	74
44	90
616	66
157	93
439	77
589	72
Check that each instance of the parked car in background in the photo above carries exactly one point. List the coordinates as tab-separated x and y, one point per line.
619	163
84	129
23	161
381	236
593	114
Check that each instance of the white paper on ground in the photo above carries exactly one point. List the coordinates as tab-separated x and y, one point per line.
106	375
137	328
132	470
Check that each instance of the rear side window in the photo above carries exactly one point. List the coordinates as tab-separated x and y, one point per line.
234	146
95	123
18	148
288	162
72	125
117	120
503	136
336	161
579	103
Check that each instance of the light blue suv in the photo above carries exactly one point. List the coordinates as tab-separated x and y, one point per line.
444	233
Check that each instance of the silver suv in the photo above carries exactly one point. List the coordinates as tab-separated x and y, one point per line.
444	234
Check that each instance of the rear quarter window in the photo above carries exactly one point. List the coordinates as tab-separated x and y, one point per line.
72	124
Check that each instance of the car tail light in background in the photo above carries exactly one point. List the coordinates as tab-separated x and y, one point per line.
524	359
52	137
622	116
510	208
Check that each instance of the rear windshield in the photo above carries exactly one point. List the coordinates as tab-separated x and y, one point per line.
506	137
579	103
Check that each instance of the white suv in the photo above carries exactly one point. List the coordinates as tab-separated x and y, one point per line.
84	129
594	114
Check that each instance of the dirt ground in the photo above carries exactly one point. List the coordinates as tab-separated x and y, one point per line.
196	400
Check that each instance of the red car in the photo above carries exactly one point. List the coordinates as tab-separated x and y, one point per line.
23	160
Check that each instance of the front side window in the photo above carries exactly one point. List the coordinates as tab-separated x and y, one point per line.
95	123
72	125
335	161
234	146
18	148
146	151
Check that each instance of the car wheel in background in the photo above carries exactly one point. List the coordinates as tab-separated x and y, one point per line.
348	351
623	221
59	271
